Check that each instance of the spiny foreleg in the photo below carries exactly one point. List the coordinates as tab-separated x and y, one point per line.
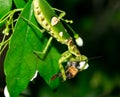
64	58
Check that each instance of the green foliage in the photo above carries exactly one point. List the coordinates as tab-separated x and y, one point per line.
101	79
20	3
21	63
5	6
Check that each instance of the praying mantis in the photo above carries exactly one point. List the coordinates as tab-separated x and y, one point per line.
45	15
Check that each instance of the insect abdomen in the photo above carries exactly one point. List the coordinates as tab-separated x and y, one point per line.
47	18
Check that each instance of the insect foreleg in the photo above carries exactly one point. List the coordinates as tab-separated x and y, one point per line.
63	58
62	14
45	49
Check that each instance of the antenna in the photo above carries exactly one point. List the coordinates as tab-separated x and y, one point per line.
95	57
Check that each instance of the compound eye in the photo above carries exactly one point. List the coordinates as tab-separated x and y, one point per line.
86	66
82	64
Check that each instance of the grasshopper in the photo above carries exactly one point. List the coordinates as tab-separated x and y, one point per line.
47	18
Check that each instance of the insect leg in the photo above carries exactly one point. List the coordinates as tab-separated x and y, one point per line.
30	23
63	58
46	47
62	14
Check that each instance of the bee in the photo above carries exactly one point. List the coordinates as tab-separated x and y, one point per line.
72	69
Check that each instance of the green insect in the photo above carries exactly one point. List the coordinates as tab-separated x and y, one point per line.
46	17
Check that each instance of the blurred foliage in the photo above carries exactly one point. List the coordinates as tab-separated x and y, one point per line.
98	23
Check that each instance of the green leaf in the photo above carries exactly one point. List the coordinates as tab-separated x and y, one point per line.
5	6
49	67
20	3
21	63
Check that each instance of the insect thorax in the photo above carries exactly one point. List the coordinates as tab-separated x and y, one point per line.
49	21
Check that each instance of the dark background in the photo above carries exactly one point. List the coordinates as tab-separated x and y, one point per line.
98	23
